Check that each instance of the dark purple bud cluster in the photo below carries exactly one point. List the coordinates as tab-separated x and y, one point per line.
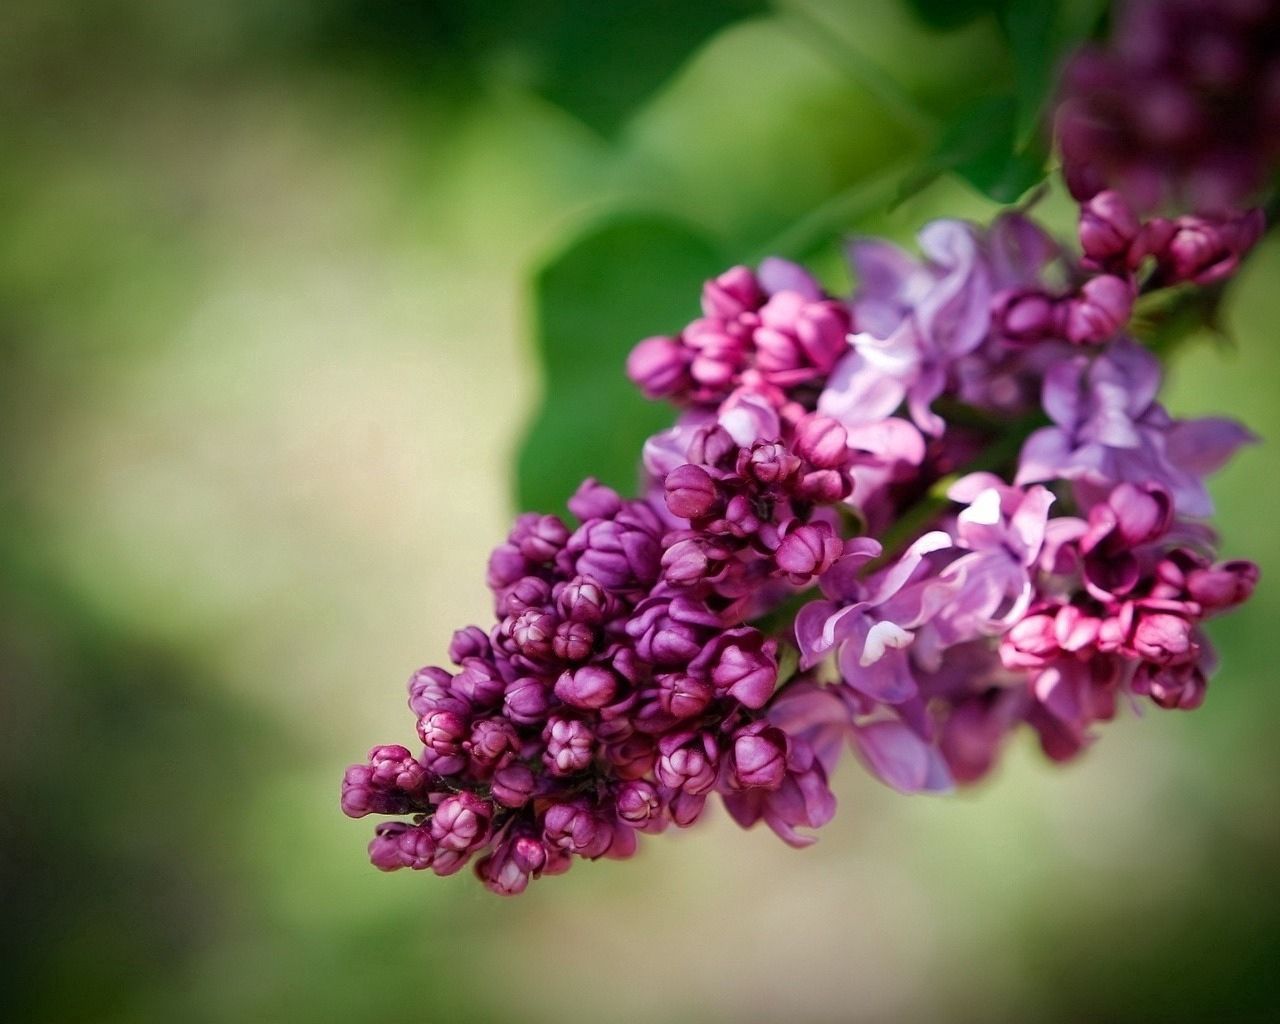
1182	106
606	699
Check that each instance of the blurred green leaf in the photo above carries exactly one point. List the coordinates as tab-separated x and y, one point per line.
947	14
979	145
632	276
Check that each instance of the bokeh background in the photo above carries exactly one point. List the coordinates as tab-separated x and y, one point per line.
272	279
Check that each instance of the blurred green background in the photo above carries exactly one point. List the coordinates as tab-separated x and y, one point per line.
271	276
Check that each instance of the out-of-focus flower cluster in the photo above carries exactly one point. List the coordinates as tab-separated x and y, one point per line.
909	522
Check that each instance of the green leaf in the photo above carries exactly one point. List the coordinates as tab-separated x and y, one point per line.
949	14
632	276
979	146
1029	27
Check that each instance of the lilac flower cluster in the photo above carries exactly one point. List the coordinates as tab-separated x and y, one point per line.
908	522
1182	106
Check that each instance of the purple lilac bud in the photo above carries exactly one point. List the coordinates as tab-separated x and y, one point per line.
461	823
570	746
397	845
1171	687
526	700
690	491
1203	250
396	768
471	642
529	593
638	803
573	641
479	683
688	762
491	739
501	874
589	687
539	538
758	757
1108	230
532	632
1163	637
808	552
742	664
443	732
1223	585
363	794
513	784
584	600
683	696
1100	311
659	367
822	441
733	293
576	828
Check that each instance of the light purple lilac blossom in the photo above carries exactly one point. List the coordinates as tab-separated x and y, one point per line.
906	523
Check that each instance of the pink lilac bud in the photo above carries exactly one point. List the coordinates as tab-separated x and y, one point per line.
1164	638
1203	250
1100	311
584	600
479	683
633	757
1172	687
758	757
530	853
687	761
588	687
513	784
526	700
471	642
686	562
670	631
683	696
432	688
540	538
768	464
690	492
1223	585
807	552
1108	230
461	823
1032	642
822	441
659	367
506	565
491	739
576	828
570	746
395	767
532	632
573	641
363	794
501	874
529	593
733	293
1027	316
742	664
638	803
397	845
593	500
443	732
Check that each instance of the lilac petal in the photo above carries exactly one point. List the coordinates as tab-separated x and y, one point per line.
779	275
888	679
895	755
858	392
811	638
1061	394
1046	454
1204	446
1028	522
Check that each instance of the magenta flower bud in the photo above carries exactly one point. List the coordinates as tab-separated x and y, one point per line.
1164	638
807	551
659	367
633	757
530	853
768	464
471	642
1031	643
685	808
506	565
395	767
1142	513
532	632
573	641
513	784
758	757
683	696
823	487
690	491
1180	687
491	739
1026	316
593	500
638	803
570	746
501	874
687	761
362	794
576	828
1100	311
461	823
525	594
711	446
583	599
1223	585
398	845
1074	630
442	731
432	688
1203	250
742	664
1108	228
540	538
824	442
526	700
588	687
479	683
685	562
733	293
